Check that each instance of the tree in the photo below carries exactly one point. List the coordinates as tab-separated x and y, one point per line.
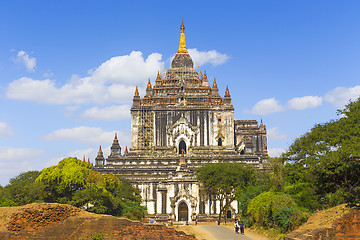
222	179
329	157
73	182
24	190
275	210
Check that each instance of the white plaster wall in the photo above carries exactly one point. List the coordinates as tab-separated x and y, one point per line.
151	207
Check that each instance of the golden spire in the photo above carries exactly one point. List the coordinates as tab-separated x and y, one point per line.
214	85
182	44
227	94
158	76
149	84
136	92
205	77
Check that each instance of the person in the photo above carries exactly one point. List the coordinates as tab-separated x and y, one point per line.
242	228
236	225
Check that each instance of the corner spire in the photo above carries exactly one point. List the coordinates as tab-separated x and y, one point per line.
126	151
136	91
214	85
115	136
149	84
182	44
227	94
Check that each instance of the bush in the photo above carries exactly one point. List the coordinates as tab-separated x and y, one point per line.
275	210
288	218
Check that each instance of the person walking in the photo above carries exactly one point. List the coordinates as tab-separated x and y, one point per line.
236	225
242	228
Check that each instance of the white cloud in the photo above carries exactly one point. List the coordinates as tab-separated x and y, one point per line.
5	130
129	69
111	113
212	56
17	154
341	96
267	106
89	135
301	103
276	152
112	81
13	161
24	58
274	134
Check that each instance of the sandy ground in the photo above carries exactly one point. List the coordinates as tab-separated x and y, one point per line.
201	234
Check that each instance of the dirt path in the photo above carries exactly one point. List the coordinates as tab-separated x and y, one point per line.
215	232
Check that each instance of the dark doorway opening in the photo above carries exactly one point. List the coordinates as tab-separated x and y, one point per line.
183	212
228	214
182	147
219	142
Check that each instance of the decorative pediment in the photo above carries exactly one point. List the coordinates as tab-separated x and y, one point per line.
181	129
182	125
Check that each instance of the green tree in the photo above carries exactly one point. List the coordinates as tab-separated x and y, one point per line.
73	182
275	210
329	157
23	189
221	180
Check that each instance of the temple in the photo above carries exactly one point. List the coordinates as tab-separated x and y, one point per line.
181	124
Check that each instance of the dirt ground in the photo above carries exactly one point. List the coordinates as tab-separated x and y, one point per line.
337	223
61	221
203	235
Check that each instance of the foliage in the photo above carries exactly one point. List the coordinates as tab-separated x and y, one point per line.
275	210
221	180
244	198
73	182
23	190
304	194
328	157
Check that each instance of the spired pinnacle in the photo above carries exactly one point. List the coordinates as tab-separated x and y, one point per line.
214	85
227	94
182	44
149	84
136	91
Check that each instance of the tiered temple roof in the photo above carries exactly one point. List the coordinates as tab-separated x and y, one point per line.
181	84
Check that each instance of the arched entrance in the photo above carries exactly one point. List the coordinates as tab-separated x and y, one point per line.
183	212
228	214
182	146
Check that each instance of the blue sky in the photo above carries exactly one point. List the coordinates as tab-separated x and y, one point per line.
68	69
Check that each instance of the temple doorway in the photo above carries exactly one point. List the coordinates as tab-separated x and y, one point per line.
228	214
182	147
183	212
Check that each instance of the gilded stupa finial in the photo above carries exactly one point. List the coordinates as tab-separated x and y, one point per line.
205	77
214	85
149	84
136	92
227	94
182	44
158	76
